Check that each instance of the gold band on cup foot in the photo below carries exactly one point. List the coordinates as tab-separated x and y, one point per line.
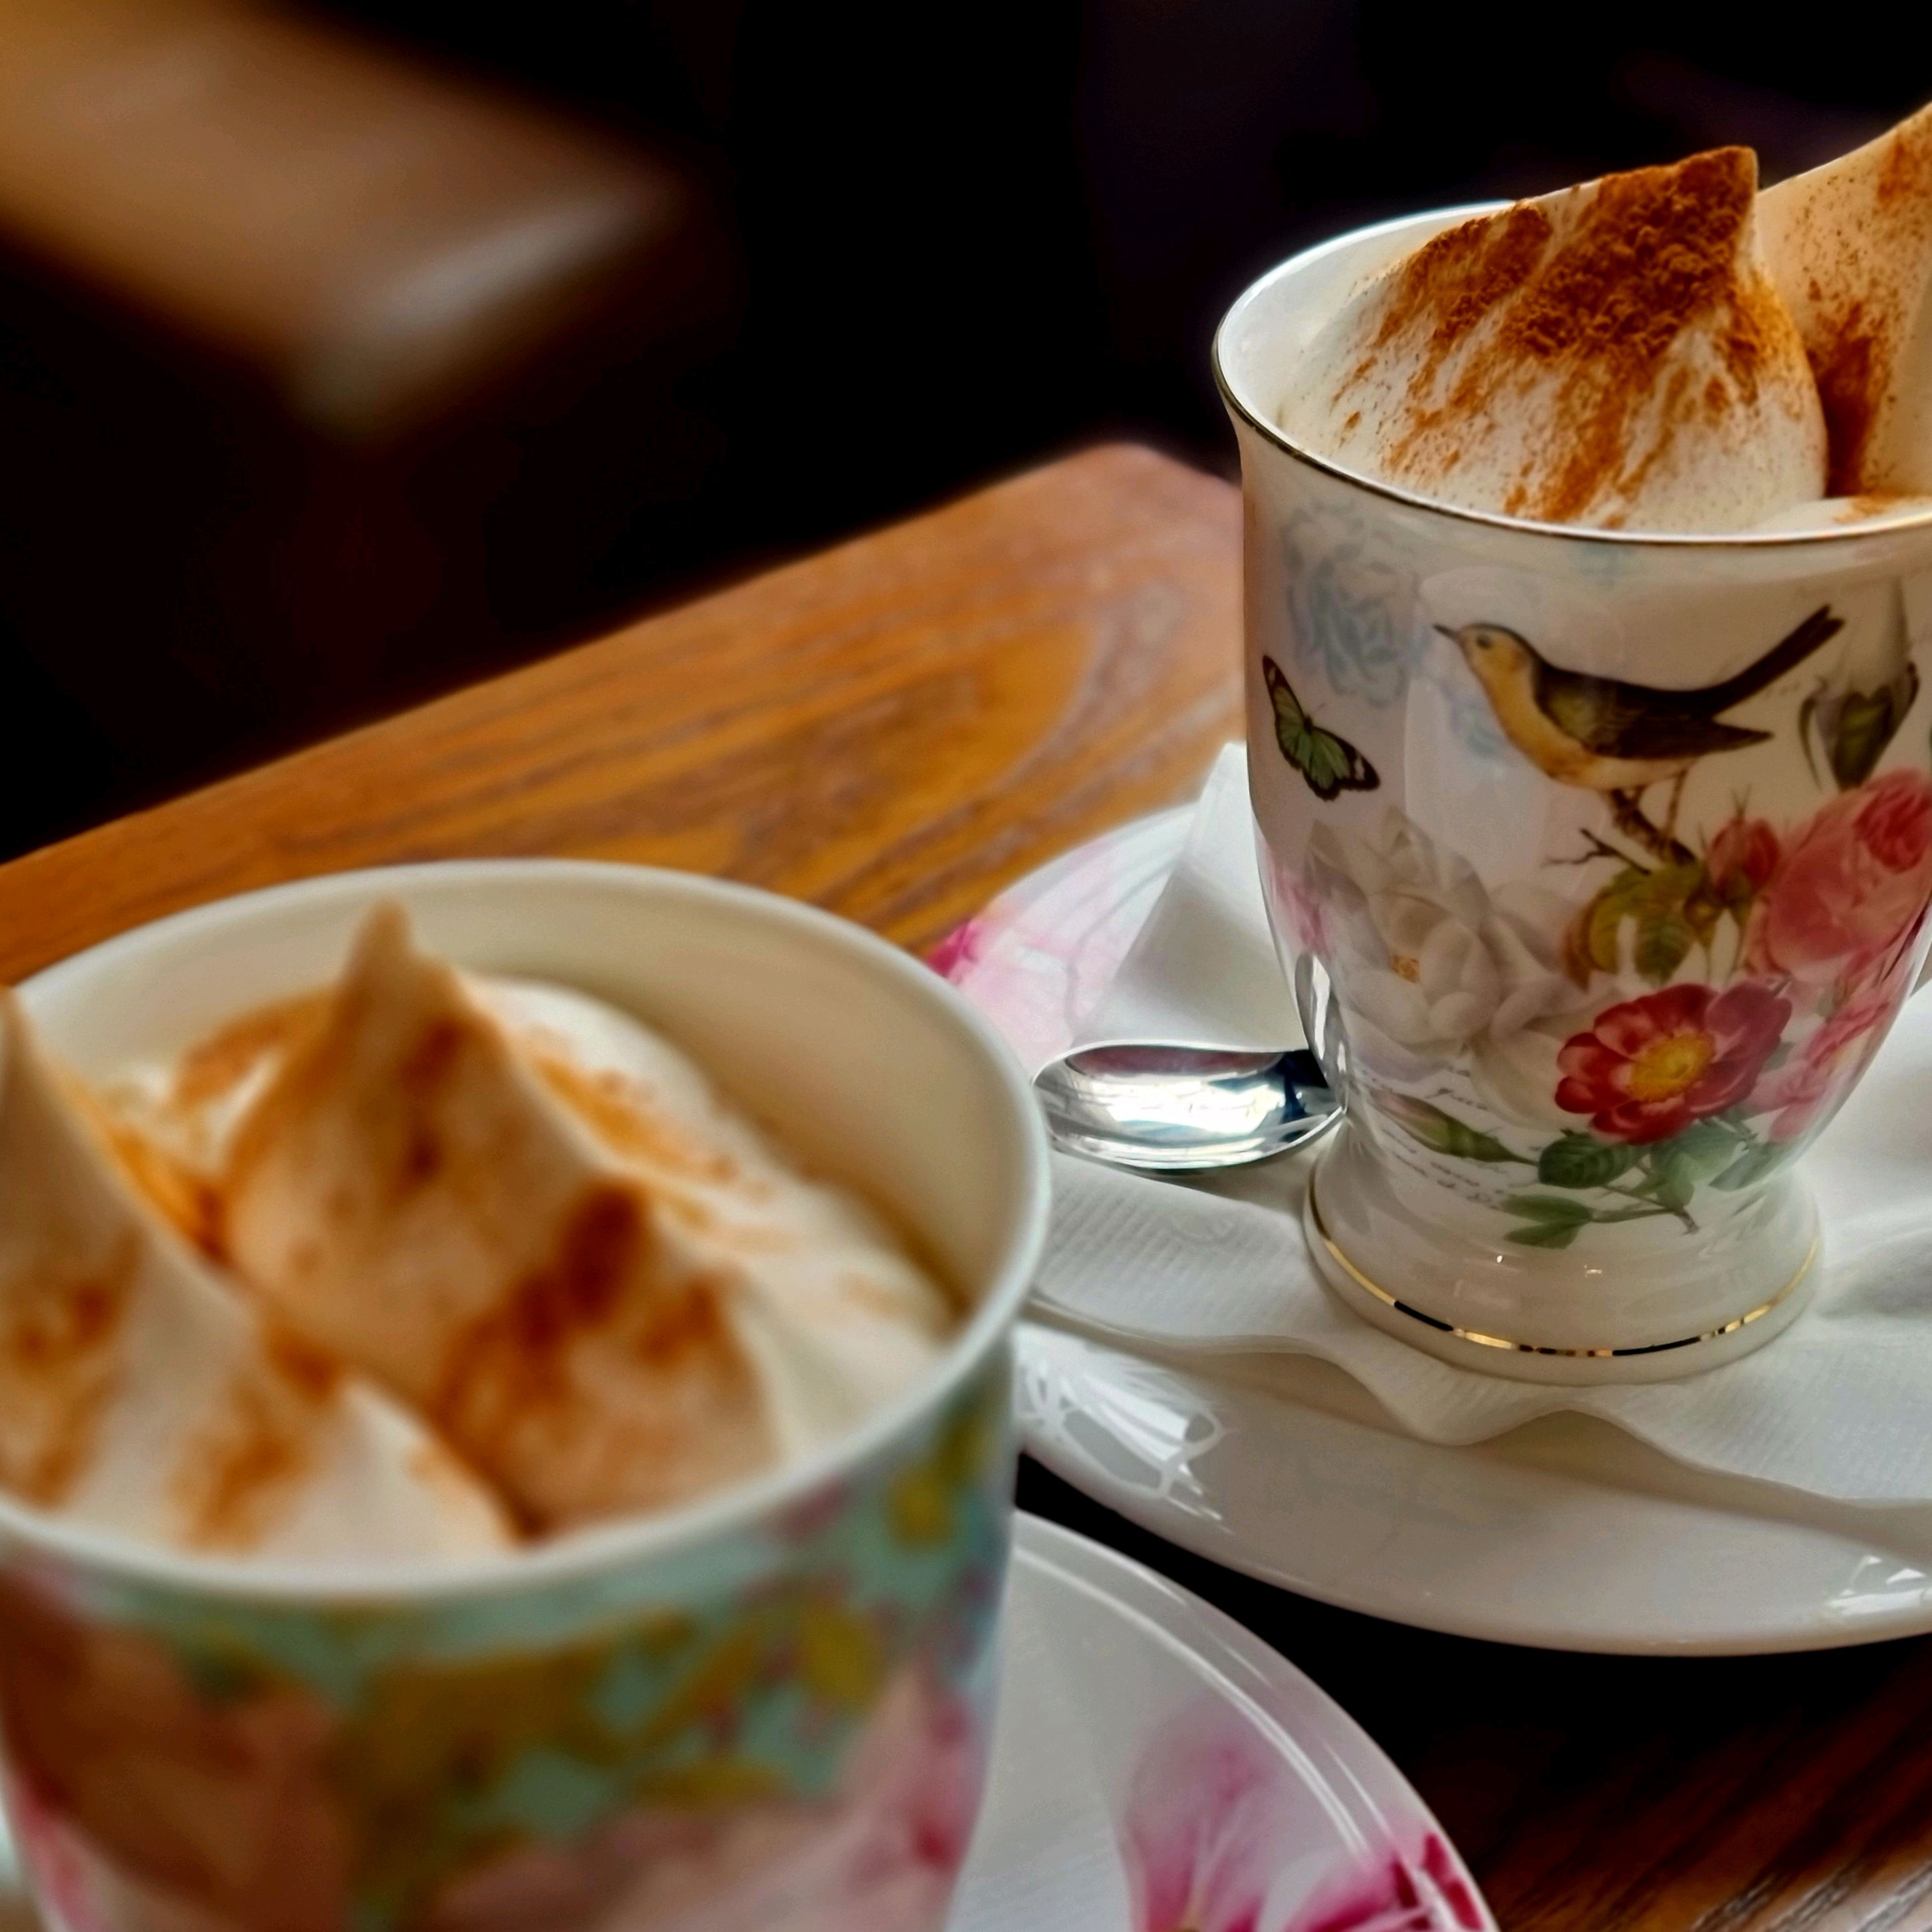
1477	1339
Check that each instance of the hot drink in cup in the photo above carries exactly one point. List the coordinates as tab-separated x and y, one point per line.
518	1444
1589	572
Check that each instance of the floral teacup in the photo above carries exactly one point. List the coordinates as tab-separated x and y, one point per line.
1602	860
766	1712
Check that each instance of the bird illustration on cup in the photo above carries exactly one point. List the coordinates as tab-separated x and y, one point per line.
1605	736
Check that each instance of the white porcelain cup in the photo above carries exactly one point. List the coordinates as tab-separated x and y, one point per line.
767	1710
1605	860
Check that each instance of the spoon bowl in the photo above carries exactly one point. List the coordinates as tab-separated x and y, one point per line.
1172	1108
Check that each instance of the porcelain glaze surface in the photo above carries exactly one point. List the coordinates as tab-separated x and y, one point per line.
769	1710
1157	1767
1605	864
1293	1475
1113	1683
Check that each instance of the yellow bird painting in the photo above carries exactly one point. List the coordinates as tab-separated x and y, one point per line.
1606	735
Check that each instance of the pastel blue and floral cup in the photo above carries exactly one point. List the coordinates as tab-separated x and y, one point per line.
1602	860
768	1712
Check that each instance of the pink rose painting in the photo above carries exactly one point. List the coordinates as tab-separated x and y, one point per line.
1854	879
1694	1013
1823	1067
1217	1836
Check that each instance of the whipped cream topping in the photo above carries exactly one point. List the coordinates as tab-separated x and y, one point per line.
141	1392
834	1313
536	1221
1850	247
1615	355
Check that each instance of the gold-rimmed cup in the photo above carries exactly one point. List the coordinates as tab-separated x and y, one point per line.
771	1706
1587	1011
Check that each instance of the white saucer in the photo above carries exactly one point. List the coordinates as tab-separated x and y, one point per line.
1132	1714
1143	1735
1296	1478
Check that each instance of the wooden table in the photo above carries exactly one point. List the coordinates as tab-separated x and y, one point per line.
895	730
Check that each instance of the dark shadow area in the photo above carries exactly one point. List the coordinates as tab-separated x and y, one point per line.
852	261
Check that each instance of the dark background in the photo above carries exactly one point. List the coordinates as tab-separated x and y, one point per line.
936	244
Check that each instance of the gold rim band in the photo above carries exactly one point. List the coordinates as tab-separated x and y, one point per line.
1482	1341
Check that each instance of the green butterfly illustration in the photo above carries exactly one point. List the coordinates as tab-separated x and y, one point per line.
1329	763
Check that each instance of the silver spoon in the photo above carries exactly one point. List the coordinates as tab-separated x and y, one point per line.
1141	1103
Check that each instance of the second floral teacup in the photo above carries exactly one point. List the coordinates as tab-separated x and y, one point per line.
1603	859
767	1711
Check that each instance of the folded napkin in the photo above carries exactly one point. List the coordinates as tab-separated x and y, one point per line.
1837	1407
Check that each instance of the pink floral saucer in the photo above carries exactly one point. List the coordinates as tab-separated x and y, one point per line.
1036	959
1157	1768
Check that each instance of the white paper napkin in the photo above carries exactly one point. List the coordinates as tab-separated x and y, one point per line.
1203	970
1839	1406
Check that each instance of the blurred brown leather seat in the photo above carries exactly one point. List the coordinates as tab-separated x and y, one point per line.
325	372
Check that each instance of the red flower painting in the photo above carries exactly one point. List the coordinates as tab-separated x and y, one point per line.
1647	1069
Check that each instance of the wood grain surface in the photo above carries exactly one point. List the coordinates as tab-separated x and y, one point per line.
895	730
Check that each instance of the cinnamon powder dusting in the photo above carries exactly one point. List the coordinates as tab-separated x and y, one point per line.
214	1064
1853	347
511	1358
1906	175
1852	371
511	1378
233	1475
1655	251
620	1114
1455	279
190	1204
240	1470
58	1359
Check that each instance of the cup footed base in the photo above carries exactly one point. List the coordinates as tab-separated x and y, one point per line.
1438	1290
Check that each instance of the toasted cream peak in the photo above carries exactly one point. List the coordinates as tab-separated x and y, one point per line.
1850	247
535	1221
406	1193
1613	355
140	1393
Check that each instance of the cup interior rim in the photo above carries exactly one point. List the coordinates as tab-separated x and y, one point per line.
602	1546
1245	411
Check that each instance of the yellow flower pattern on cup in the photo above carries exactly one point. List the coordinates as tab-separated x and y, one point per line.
800	1715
